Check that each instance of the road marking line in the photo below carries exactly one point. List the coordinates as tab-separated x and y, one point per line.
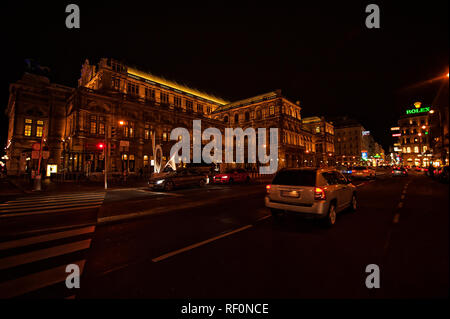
396	218
161	193
22	285
165	209
264	217
47	237
6	215
26	258
33	199
400	205
190	247
36	206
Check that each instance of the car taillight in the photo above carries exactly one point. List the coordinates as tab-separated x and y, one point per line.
225	177
268	187
392	172
319	193
366	171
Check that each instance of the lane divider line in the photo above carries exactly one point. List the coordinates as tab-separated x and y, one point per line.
190	247
264	217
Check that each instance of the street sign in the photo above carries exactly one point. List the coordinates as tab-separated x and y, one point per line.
35	154
36	146
45	154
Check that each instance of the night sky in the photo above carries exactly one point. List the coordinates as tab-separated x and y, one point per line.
319	53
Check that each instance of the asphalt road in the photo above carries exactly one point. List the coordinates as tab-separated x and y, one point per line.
221	242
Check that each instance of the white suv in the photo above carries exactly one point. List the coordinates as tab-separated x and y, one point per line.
313	192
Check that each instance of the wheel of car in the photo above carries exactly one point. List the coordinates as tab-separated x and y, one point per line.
353	203
168	186
330	220
202	183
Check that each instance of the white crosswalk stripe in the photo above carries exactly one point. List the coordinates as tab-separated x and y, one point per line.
51	204
53	273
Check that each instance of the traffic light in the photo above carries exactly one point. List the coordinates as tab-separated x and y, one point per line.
100	146
113	132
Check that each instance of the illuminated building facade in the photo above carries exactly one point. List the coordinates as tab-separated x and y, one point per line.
296	145
324	133
123	107
36	112
350	145
415	140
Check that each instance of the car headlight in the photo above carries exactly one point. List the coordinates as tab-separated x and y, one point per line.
159	182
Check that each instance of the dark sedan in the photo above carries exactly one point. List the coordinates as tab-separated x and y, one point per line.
178	179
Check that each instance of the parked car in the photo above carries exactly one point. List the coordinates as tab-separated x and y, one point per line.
177	179
399	171
231	176
363	172
317	193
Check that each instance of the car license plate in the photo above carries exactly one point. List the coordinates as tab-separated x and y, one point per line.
293	194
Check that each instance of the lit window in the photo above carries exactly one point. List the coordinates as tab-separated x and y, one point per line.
145	160
38	131
101	128
408	149
424	149
27	130
164	98
416	149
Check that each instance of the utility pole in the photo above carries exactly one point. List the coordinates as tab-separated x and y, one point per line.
105	155
37	186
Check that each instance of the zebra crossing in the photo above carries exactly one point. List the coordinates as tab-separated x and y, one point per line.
37	262
35	205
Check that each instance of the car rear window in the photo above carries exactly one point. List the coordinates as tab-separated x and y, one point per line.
295	178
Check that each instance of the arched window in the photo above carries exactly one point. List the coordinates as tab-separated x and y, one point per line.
247	116
236	118
225	119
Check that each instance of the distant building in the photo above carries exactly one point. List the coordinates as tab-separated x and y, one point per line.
350	146
296	145
415	139
324	133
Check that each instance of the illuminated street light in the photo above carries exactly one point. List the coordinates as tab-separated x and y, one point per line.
121	122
